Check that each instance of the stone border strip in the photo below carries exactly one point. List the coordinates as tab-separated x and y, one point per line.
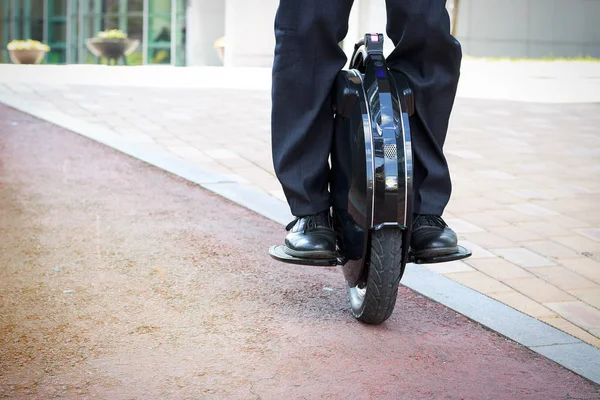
564	349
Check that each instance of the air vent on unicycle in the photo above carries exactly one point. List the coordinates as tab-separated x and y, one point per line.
390	151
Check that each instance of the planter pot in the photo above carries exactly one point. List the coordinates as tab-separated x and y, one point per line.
27	56
112	49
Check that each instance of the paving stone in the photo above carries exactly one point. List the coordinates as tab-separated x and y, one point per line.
461	226
543	228
563	278
578	312
529	194
449	267
578	243
593	234
498	268
500	197
591	216
488	240
515	234
539	290
467	203
221	154
568	222
496	174
584	266
170	141
233	162
523	257
567	203
572	329
550	249
522	303
255	174
483	219
187	152
590	296
478	281
134	136
533	209
477	251
236	178
513	216
279	194
465	154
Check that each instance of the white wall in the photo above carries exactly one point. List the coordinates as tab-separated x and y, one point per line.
508	28
530	28
249	31
205	24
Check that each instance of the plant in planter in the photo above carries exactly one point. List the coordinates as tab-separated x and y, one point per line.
112	45
27	51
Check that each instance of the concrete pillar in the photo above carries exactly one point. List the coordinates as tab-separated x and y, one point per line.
205	23
249	32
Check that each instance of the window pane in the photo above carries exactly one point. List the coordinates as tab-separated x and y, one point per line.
37	20
159	36
134	31
58	32
110	23
135	6
58	7
110	6
159	7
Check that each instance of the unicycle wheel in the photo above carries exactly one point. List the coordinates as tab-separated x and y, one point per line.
373	299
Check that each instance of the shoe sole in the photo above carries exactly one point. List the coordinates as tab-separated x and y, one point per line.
444	251
309	254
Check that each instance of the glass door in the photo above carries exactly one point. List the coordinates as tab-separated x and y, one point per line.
57	31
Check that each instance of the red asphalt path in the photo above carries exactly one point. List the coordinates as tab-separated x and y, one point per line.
120	281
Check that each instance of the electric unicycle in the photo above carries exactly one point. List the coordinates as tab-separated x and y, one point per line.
371	183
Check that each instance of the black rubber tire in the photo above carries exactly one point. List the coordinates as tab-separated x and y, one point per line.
372	301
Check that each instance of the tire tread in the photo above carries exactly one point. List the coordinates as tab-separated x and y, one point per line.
385	272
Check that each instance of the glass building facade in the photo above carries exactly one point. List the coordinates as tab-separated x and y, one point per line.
64	25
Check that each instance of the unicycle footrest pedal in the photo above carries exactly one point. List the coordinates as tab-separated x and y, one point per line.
278	253
462	253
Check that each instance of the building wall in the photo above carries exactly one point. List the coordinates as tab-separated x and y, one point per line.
205	24
249	32
530	28
493	28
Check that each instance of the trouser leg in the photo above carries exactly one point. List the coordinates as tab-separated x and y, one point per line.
430	57
307	60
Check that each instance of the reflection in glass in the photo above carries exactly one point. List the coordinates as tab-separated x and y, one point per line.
65	25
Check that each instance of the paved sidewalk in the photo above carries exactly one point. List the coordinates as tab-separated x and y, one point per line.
121	281
526	175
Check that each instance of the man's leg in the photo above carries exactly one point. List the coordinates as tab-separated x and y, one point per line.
430	57
307	60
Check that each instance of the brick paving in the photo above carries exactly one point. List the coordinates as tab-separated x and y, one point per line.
526	180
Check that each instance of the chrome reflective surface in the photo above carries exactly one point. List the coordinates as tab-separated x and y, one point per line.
371	182
356	296
351	173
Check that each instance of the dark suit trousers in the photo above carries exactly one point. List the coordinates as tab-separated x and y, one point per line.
307	60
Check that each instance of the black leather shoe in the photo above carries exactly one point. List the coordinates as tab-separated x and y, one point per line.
311	236
431	237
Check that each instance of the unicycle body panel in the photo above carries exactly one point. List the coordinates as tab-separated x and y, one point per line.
371	159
